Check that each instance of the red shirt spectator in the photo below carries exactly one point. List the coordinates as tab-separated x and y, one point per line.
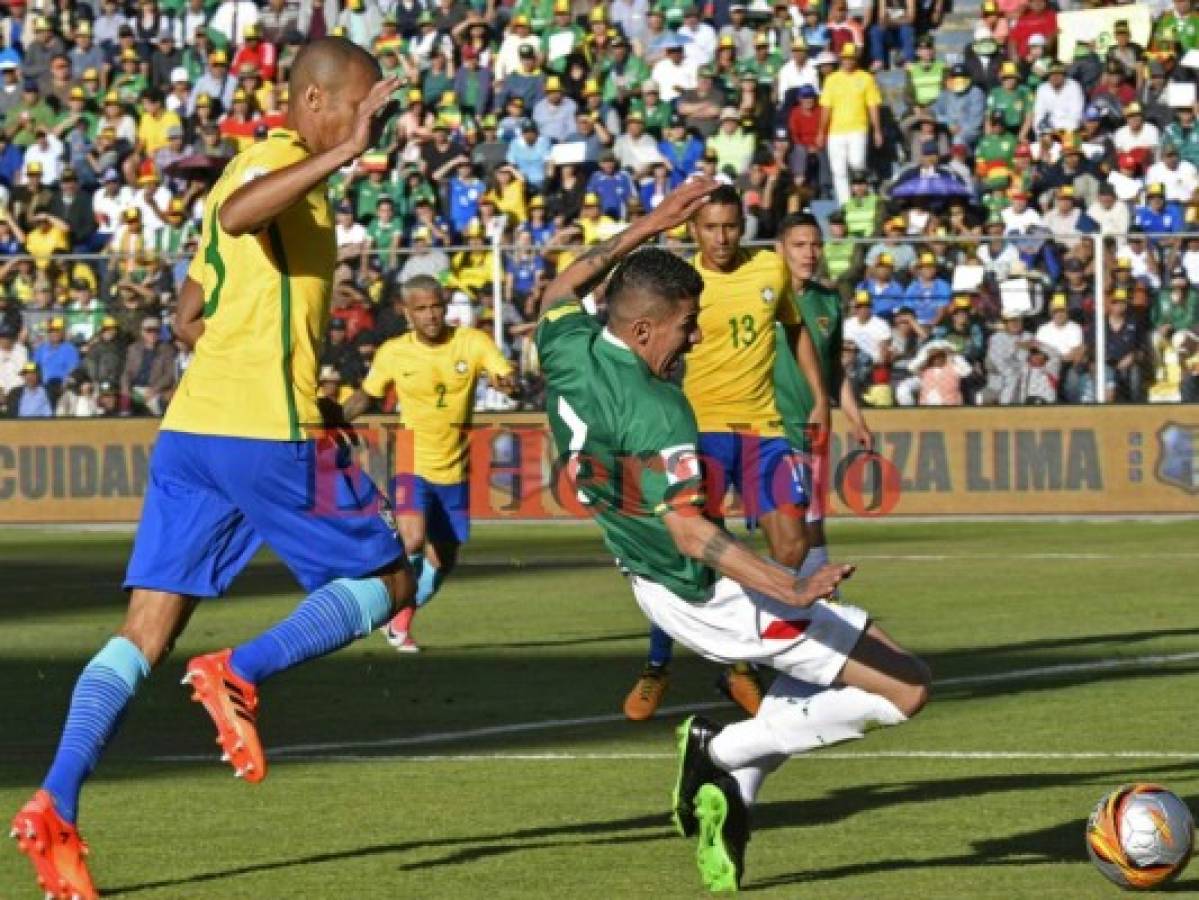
1037	18
259	53
804	124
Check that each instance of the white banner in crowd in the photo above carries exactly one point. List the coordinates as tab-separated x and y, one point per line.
1098	25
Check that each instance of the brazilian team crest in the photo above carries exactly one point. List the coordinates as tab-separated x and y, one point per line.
460	367
1178	461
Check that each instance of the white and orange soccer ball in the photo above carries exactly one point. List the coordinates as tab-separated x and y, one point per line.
1140	836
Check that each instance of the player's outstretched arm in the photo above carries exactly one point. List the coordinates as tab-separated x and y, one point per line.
698	538
581	276
253	206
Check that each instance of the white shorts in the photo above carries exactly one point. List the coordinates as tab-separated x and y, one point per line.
737	625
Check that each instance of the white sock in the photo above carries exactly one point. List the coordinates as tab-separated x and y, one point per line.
750	778
817	558
796	717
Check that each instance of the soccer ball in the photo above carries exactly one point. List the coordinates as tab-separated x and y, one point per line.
1140	836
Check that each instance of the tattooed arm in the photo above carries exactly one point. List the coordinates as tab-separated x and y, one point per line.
593	265
698	538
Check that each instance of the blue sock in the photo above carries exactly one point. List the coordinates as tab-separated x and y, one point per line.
661	647
428	582
328	619
103	691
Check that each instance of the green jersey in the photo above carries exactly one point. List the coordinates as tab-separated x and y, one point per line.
819	309
993	148
1171	27
1015	105
1185	139
628	442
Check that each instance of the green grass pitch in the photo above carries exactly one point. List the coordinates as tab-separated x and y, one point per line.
983	796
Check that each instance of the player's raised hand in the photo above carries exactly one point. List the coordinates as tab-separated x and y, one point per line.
683	202
821	584
368	119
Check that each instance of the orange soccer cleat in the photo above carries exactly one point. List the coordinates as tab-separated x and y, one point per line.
739	682
646	696
54	847
233	704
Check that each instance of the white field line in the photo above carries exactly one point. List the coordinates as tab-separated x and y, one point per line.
322	750
563	756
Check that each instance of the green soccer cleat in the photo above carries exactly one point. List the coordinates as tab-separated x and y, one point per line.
695	768
723	834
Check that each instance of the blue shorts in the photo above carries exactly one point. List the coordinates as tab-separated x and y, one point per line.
446	507
766	472
211	502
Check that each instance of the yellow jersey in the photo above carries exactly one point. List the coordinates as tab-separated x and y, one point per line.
266	305
153	132
729	375
436	389
848	96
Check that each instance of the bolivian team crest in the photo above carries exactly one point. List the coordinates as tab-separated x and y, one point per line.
1178	458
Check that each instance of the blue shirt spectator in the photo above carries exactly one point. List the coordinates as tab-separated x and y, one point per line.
1158	216
555	113
465	194
56	357
885	296
927	299
529	153
613	187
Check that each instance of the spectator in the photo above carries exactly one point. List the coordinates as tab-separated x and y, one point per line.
869	333
940	371
78	399
31	399
927	294
530	154
104	360
636	150
1123	379
886	294
850	101
13	357
1060	101
56	358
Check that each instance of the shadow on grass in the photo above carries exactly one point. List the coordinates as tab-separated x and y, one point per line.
1061	843
469	849
1057	844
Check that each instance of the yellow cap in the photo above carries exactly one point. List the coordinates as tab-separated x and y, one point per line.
591	199
861	298
928	259
57	324
1058	302
884	259
849	51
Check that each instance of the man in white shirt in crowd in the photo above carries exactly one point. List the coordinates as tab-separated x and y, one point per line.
1060	332
1110	214
672	73
13	357
701	48
1059	101
1019	216
110	202
1179	176
797	71
1135	133
869	333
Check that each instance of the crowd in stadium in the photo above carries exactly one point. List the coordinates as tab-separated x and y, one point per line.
959	189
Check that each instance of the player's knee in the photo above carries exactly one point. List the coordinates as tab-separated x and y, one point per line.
791	554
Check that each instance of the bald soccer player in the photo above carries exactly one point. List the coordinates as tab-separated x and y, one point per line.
238	451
